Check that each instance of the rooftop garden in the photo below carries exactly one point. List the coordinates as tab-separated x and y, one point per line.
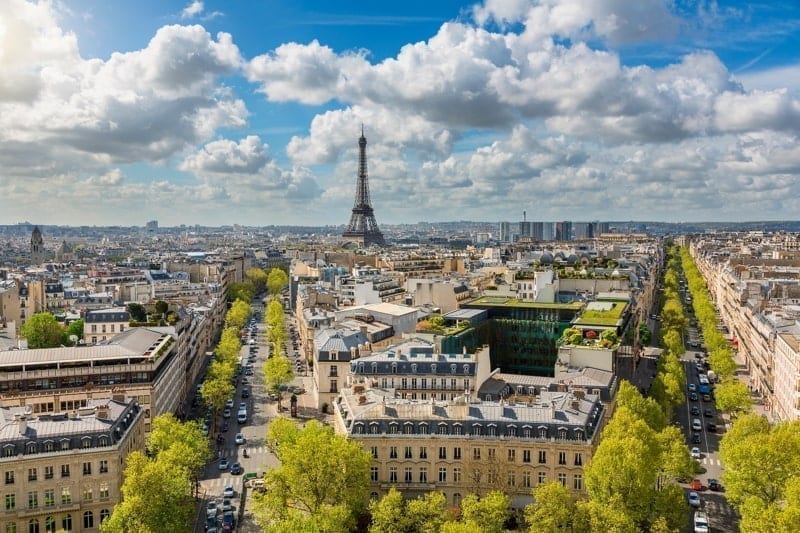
508	301
589	338
602	313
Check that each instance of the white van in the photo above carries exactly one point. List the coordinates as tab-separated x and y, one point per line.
696	424
700	522
242	416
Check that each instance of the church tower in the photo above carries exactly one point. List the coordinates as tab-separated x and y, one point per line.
37	247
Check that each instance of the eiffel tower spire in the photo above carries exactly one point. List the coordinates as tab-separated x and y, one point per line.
363	229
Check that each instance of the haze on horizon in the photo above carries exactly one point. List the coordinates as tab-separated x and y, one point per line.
218	113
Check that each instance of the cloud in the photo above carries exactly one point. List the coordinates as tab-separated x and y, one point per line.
192	10
247	156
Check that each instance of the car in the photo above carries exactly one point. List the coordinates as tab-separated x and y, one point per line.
226	413
212	509
694	499
226	505
239	439
695	410
229	403
692	387
714	485
245	392
693	396
708	413
700	522
224	426
223	464
711	426
228	522
245	381
699	367
248	371
695	438
242	406
695	453
236	469
228	491
706	397
696	484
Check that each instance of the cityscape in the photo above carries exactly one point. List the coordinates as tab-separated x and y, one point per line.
450	267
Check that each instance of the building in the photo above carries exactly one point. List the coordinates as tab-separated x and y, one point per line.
102	324
37	247
471	446
63	470
563	231
334	348
505	232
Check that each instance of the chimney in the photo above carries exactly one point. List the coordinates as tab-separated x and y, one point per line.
22	422
363	330
101	411
575	404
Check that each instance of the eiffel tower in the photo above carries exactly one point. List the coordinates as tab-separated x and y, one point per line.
363	229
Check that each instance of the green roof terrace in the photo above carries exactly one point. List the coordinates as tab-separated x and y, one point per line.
602	313
508	301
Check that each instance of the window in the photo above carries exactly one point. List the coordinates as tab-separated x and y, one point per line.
86	442
88	520
511	431
33	525
476	453
33	500
64	470
541	477
407	475
9	477
48	472
542	457
49	446
562	458
103	440
373	450
456	429
433	371
392	474
87	493
408	454
526	432
562	433
11	527
423	475
49	497
453	369
476	475
373	428
443	475
423	452
32	474
512	479
492	430
9	450
456	499
442	429
334	386
393	452
87	469
408	428
373	473
457	453
542	432
11	502
456	475
394	428
104	513
476	429
414	368
66	522
466	370
30	448
562	478
492	454
526	480
103	491
526	456
404	383
577	482
512	455
442	452
334	372
423	429
66	496
578	459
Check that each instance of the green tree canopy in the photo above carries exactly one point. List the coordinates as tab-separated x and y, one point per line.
185	438
75	328
732	396
394	514
42	330
137	311
489	513
277	279
553	509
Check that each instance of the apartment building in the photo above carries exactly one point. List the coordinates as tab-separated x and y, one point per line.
141	364
102	324
62	471
470	446
334	349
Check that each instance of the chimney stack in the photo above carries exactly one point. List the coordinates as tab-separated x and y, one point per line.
22	422
101	411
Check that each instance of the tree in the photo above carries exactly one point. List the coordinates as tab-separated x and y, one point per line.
489	513
42	330
137	311
645	408
394	514
610	516
156	496
168	433
75	328
553	508
215	391
258	278
276	281
733	397
237	315
162	307
318	470
243	290
277	372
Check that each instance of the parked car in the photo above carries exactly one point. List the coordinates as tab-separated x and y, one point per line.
236	469
226	505
695	438
706	397
223	464
696	484
226	413
225	426
711	426
211	509
693	397
700	522
692	387
229	403
211	524
245	392
695	410
714	485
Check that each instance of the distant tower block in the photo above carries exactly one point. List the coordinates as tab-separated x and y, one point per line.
363	229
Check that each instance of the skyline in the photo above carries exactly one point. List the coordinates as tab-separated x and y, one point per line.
216	114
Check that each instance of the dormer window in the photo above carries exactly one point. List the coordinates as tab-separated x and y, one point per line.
414	368
374	367
433	368
394	368
360	368
453	369
466	370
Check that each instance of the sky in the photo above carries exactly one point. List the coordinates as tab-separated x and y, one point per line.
249	112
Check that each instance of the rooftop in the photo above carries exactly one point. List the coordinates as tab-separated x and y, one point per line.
508	301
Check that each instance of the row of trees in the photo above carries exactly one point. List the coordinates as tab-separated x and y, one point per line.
731	395
43	330
157	488
278	369
256	280
670	382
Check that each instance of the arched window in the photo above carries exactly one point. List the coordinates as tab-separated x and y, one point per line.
466	369
49	446
104	513
408	428
374	368
30	448
33	525
476	429
394	368
373	428
456	500
11	527
88	520
511	431
359	428
86	442
579	433
66	522
360	368
442	429
423	428
394	428
453	368
492	430
456	429
64	444
50	524
542	432
9	450
526	432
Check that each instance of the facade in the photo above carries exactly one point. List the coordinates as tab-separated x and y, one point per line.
37	246
787	376
102	324
505	232
334	349
469	446
63	471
